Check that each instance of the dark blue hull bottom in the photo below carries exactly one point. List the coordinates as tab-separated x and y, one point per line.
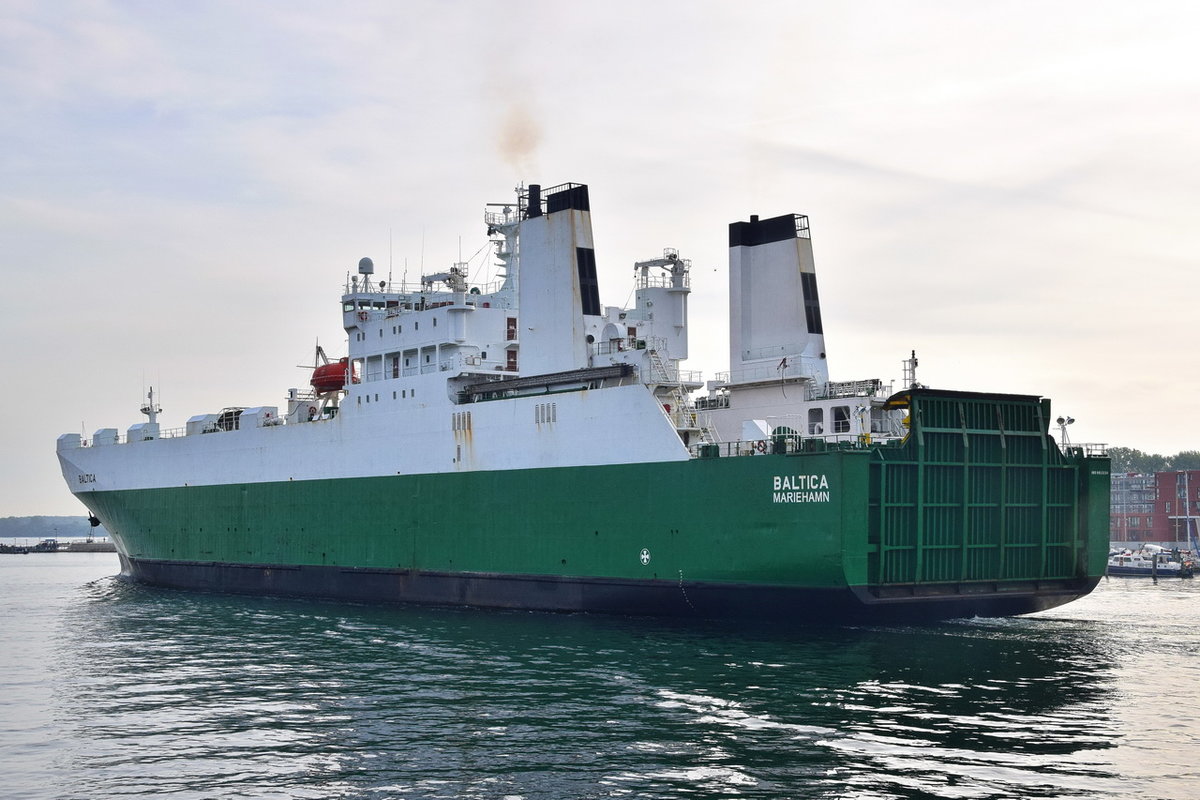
784	604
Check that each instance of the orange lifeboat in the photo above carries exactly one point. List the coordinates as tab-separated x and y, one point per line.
330	377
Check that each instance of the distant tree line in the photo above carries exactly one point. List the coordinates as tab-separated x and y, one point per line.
1128	459
48	528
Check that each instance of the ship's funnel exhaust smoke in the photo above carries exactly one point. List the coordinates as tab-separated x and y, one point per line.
519	139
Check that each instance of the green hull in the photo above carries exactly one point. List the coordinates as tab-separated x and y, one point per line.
977	509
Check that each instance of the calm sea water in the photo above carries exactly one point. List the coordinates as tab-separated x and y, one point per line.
112	690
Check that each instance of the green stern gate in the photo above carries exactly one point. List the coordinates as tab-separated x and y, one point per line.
980	498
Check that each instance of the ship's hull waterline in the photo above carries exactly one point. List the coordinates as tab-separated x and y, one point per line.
715	601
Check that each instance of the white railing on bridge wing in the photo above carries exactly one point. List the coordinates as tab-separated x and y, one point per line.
761	372
662	282
408	298
618	346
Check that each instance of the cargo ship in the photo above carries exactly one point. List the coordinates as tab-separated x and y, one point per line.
517	444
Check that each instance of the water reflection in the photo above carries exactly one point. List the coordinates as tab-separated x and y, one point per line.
210	696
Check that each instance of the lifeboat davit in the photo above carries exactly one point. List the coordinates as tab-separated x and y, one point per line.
330	377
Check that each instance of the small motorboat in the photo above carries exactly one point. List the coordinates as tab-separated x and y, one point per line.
1152	561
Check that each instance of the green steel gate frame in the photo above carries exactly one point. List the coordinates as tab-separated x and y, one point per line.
978	496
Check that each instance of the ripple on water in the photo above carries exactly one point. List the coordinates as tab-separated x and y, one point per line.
175	694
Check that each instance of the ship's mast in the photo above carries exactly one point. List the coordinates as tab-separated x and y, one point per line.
151	409
910	371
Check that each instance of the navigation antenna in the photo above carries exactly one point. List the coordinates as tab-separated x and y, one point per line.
151	409
910	371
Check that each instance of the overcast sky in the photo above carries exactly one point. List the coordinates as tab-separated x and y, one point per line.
1011	189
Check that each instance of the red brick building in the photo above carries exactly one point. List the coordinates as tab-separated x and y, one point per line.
1177	505
1163	508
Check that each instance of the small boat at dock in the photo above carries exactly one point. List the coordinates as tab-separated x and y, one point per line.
1152	561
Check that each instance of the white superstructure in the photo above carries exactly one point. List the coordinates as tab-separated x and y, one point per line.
529	372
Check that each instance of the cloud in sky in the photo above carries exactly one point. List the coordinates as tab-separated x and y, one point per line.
1009	189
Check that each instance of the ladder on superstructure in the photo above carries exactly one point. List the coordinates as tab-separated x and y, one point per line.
683	413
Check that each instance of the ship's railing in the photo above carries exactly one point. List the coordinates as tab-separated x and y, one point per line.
123	438
481	296
669	373
686	418
782	444
708	403
878	422
865	388
663	282
498	219
469	363
762	372
618	346
1090	449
